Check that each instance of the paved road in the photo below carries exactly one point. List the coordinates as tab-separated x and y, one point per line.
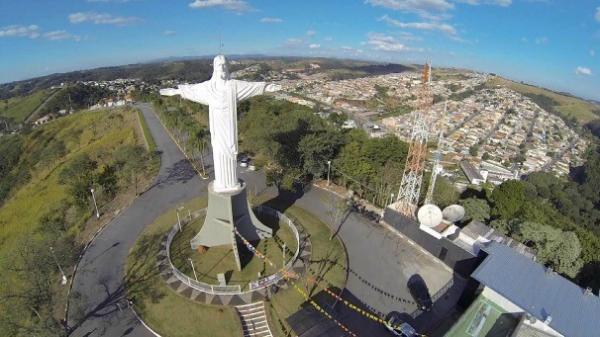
98	288
380	262
380	265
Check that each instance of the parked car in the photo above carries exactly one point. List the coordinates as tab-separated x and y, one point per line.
420	293
244	161
395	324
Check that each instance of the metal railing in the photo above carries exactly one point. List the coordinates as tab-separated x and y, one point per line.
236	289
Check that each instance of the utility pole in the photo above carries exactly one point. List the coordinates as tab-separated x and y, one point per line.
328	171
95	204
62	273
435	170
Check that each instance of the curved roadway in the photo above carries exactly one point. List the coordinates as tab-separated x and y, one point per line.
98	290
380	262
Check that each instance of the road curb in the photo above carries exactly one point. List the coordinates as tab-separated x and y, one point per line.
178	146
139	318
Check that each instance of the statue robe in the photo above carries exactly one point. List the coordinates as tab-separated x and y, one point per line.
222	103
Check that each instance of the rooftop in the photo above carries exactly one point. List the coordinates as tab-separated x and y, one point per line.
530	286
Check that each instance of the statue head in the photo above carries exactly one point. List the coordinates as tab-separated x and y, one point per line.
220	69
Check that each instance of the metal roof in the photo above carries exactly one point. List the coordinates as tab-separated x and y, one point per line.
539	292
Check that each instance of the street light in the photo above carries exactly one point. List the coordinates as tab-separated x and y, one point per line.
328	171
178	220
193	269
95	204
64	277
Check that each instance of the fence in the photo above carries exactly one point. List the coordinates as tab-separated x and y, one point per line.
236	289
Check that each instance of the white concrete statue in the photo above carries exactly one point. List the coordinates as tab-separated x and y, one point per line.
221	94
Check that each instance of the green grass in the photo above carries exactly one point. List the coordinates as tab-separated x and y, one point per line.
220	259
165	311
20	107
95	133
175	316
568	106
327	264
150	143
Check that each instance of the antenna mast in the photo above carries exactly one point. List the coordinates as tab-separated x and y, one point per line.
435	170
412	178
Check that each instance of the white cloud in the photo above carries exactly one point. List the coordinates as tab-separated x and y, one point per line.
524	40
102	18
503	3
59	35
34	31
418	6
31	31
169	33
597	14
271	20
431	26
592	52
238	6
294	42
583	71
541	40
387	43
314	46
311	33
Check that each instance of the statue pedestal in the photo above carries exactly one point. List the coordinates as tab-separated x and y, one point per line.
225	210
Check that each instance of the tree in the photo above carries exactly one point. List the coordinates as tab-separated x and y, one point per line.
107	179
316	149
508	199
79	175
473	150
476	210
486	156
444	193
558	249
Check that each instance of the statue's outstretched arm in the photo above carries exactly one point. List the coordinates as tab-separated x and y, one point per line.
250	89
194	92
169	92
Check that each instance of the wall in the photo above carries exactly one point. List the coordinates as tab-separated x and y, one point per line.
461	261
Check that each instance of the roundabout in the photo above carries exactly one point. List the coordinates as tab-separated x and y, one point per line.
171	302
195	275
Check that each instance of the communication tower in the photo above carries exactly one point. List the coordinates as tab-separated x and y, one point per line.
412	178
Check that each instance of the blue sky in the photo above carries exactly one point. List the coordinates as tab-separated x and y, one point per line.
547	42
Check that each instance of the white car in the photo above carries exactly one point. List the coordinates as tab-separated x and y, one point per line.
399	328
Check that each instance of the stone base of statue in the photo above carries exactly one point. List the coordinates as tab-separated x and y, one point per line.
226	210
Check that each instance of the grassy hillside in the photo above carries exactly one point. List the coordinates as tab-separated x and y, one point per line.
20	107
568	107
50	204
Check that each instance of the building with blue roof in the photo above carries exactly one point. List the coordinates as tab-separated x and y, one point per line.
542	302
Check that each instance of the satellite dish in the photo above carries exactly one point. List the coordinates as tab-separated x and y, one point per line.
429	215
453	213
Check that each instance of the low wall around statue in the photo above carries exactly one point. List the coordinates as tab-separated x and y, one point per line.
234	294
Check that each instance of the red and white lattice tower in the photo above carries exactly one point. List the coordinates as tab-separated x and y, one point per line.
412	178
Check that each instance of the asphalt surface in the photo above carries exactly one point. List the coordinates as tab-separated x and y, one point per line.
380	262
98	295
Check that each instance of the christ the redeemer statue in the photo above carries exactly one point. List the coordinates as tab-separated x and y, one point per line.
229	214
222	94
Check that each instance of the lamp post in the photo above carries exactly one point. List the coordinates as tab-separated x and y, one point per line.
62	273
193	269
328	171
178	220
95	204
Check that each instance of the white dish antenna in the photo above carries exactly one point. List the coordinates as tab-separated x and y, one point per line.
430	215
453	213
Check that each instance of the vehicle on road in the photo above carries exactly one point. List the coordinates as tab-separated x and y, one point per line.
420	293
244	161
395	324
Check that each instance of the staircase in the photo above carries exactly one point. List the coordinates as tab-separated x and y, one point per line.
254	320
